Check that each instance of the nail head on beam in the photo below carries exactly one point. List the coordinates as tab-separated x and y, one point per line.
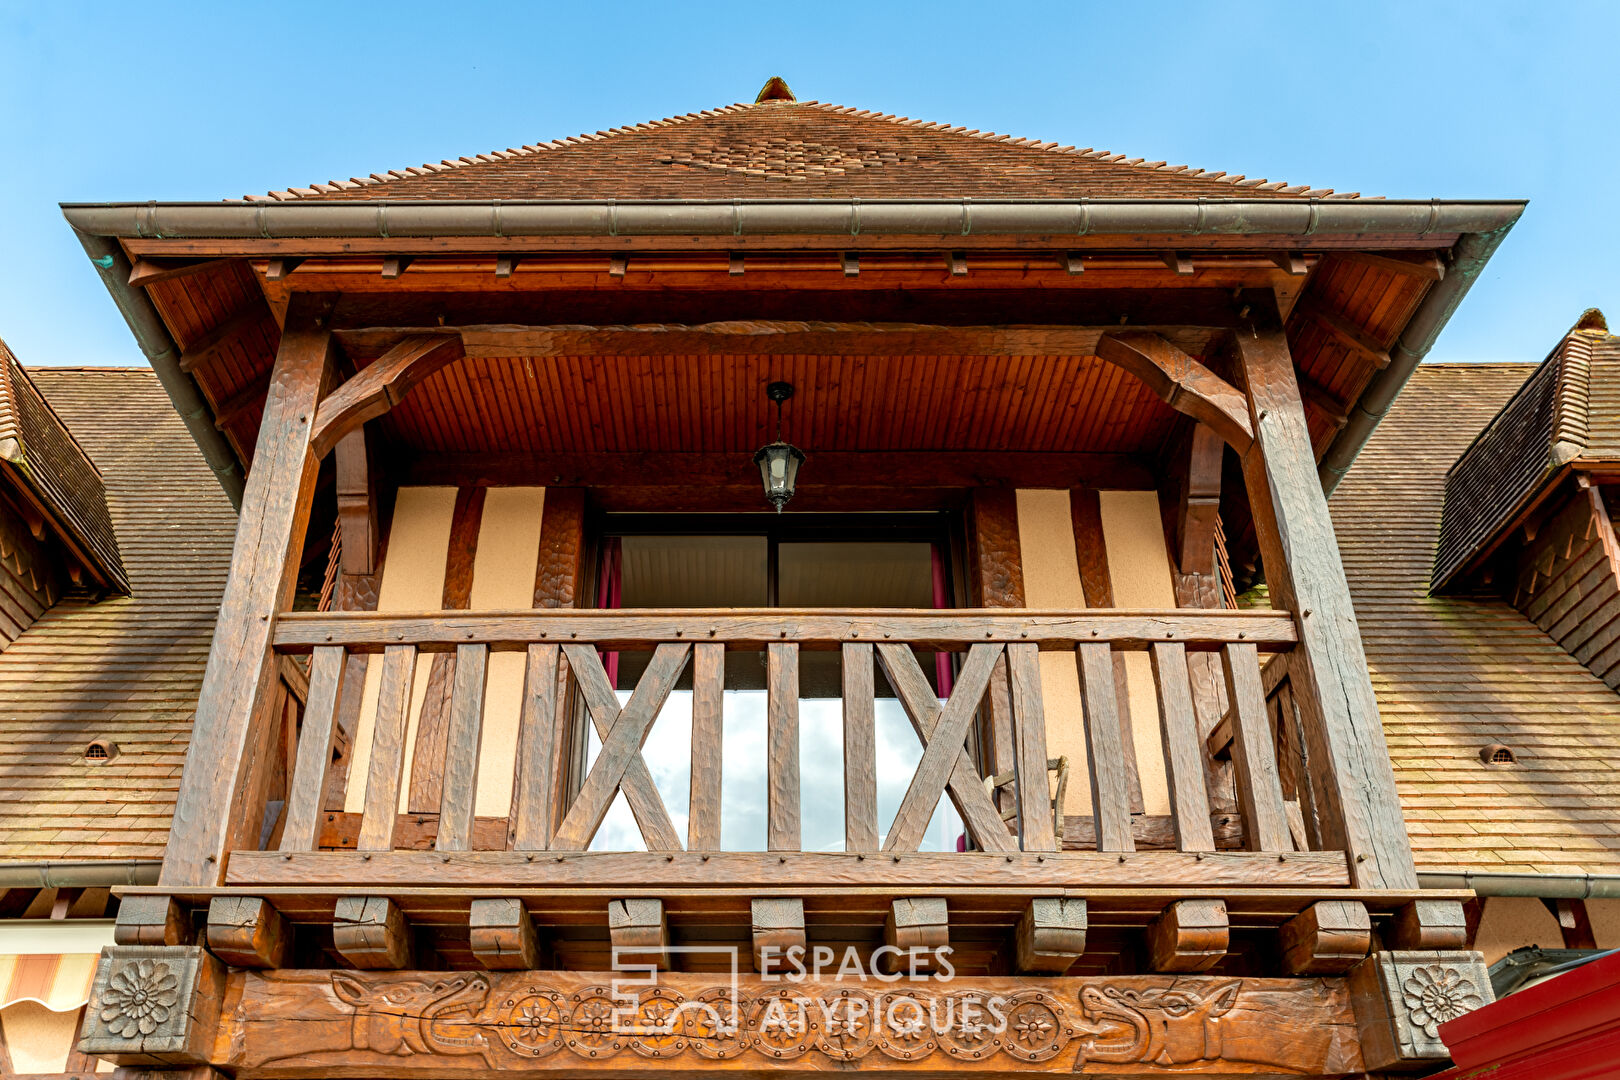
1189	935
502	935
372	933
1051	936
1328	938
246	932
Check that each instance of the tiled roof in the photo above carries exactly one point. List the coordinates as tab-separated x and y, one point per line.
797	150
128	668
43	456
1455	673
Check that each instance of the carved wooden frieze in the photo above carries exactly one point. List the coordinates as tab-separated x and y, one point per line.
153	1005
1401	998
296	1023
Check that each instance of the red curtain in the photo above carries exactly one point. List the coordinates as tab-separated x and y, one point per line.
943	676
610	594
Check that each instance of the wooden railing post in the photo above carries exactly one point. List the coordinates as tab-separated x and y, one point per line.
1328	668
221	801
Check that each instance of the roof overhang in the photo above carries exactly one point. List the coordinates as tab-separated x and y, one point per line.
1469	231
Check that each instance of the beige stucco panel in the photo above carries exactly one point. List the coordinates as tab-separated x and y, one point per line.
1510	922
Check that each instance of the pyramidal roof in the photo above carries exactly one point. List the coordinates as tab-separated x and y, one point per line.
779	147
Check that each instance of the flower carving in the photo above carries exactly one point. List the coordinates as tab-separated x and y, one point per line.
139	997
1435	994
1033	1028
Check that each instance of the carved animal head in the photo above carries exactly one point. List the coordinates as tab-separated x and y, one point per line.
1163	1025
400	1017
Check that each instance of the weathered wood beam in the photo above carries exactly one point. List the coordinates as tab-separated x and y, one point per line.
1347	333
1328	938
1334	410
245	931
1425	265
1429	924
381	386
223	333
915	928
1272	673
502	935
860	749
639	932
996	579
1050	937
150	271
327	673
1254	753
221	799
778	925
1328	669
234	407
1189	935
1182	382
356	505
813	628
1097	584
152	920
372	933
1200	503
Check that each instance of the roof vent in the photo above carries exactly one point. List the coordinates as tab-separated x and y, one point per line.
100	751
1497	754
1591	319
775	89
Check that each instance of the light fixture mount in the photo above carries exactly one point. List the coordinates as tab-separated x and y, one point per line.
779	461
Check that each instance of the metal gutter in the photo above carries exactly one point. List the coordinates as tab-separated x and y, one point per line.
1550	886
78	873
108	257
1468	260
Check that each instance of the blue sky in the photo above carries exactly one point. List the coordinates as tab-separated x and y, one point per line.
1419	99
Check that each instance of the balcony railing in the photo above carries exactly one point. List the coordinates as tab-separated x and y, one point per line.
998	656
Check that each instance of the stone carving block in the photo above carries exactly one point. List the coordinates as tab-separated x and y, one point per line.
1402	998
153	1005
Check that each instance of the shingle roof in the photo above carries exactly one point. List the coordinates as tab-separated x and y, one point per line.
1455	673
126	668
792	149
41	454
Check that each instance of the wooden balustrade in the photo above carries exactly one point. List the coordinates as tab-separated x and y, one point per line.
563	656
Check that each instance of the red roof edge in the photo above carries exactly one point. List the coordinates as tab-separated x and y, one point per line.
1567	1028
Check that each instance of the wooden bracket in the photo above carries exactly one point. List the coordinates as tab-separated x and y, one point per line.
372	933
1189	935
246	932
639	932
1328	938
502	935
1051	936
381	386
778	926
1182	383
922	925
152	920
1429	924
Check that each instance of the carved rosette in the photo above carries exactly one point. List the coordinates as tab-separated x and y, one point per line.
660	1023
716	1023
972	1027
1037	1028
597	1023
782	1024
847	1028
1435	993
1402	997
903	1027
153	1004
533	1022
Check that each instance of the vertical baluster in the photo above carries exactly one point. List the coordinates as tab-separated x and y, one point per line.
458	796
535	774
326	669
782	746
708	726
387	748
1110	791
1029	732
860	751
1254	753
1183	758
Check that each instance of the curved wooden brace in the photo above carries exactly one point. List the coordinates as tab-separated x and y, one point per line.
381	386
1182	382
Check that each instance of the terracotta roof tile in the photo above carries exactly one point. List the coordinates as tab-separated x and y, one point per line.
127	668
1454	673
783	149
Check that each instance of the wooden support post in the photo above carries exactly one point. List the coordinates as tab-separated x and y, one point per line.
315	742
1574	922
221	801
860	750
356	504
1189	935
1051	936
915	928
152	920
535	777
782	747
1035	811
995	565
708	730
1328	938
246	932
1183	750
1110	799
1328	668
1254	752
372	933
639	932
778	925
1429	924
502	935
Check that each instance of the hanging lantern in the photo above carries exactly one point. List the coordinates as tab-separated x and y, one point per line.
779	461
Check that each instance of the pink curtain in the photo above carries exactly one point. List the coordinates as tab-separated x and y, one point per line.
942	660
609	594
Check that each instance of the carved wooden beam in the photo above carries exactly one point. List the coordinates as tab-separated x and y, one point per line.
1182	382
1430	924
152	920
356	505
381	386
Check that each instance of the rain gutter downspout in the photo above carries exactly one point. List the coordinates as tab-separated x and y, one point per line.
1469	257
107	256
78	873
1547	886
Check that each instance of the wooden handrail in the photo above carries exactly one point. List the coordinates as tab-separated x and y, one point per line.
812	628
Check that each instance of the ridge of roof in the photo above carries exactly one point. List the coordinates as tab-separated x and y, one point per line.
1238	180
